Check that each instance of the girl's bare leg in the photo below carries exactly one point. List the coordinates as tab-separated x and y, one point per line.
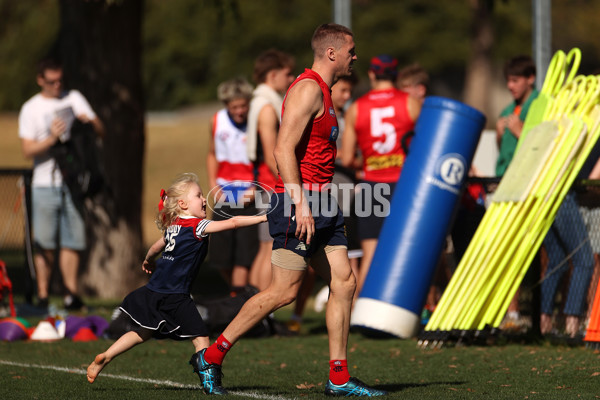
124	343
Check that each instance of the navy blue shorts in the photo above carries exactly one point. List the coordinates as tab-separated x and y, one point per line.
372	204
330	229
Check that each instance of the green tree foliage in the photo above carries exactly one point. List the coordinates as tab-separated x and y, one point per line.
190	46
28	28
210	41
574	24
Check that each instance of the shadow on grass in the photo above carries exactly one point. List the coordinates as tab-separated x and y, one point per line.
321	328
391	387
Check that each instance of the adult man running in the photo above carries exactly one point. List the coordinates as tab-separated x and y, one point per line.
305	154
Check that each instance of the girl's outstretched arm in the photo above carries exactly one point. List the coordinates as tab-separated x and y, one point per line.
234	223
154	250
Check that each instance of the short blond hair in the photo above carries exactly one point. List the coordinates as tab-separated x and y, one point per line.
236	88
327	35
178	189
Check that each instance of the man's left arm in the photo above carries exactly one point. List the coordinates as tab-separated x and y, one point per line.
303	102
84	113
96	123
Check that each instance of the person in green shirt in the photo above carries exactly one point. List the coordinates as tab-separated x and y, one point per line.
520	78
519	73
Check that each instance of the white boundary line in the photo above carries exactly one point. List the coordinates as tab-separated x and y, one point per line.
252	395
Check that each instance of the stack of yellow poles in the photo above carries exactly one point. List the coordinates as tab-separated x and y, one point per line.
556	140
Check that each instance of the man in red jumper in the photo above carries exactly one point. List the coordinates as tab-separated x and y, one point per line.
305	221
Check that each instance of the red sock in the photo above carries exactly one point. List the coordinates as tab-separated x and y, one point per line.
338	372
217	351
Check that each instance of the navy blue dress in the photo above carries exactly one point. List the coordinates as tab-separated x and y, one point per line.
164	304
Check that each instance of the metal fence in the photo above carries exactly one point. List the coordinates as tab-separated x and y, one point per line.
15	227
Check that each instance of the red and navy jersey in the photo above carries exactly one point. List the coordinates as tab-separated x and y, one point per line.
382	120
185	250
317	150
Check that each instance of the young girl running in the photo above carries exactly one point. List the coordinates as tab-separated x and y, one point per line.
164	307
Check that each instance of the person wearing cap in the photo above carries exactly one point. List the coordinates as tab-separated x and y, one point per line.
376	124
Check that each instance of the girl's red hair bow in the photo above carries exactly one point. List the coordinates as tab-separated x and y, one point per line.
163	197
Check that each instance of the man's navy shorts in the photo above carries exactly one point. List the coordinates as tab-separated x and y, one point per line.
329	223
372	211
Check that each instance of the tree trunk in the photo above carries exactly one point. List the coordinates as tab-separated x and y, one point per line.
100	46
478	80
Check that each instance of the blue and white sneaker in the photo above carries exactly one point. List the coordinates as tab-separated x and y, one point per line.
353	387
210	374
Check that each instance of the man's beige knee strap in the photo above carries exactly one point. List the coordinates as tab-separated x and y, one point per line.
287	259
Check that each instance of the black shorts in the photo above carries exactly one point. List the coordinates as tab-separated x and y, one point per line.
235	246
169	315
372	206
329	223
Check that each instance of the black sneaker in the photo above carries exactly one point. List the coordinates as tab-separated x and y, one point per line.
73	303
210	374
42	303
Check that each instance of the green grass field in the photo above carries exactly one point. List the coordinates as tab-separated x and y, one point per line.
296	367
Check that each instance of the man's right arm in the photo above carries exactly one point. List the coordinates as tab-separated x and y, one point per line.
32	148
500	126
